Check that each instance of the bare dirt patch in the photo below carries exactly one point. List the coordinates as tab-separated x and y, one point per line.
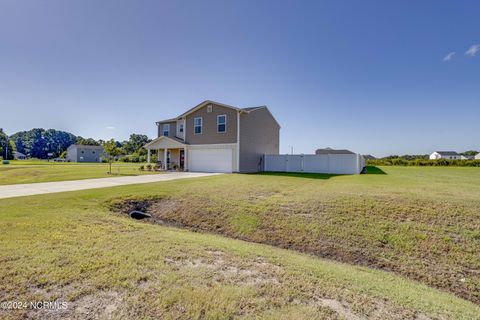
225	271
100	305
340	309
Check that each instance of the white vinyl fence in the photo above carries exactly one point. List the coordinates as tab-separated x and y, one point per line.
312	163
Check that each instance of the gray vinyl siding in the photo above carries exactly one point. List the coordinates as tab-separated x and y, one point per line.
210	134
84	154
71	154
173	129
259	135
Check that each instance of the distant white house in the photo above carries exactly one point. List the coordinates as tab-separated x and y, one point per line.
467	157
477	157
19	156
449	155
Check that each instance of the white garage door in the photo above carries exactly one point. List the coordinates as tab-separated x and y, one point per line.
210	160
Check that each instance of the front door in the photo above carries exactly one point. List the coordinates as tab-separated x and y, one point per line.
182	158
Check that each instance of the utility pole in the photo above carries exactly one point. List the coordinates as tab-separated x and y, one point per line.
292	150
6	149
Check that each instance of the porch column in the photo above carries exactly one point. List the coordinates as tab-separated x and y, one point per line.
148	156
165	159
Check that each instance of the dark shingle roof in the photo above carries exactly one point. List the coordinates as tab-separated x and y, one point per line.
333	151
168	120
448	153
177	139
85	146
251	108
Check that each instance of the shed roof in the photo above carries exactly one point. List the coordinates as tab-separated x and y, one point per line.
85	146
333	151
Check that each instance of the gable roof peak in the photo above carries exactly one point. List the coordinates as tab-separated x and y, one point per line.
209	102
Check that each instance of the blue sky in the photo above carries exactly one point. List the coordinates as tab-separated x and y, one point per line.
373	76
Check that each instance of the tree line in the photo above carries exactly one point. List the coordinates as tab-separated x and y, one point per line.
411	157
44	144
424	161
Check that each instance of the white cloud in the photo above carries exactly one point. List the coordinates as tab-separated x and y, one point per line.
473	50
110	128
449	56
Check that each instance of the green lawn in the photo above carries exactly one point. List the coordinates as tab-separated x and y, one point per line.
72	247
423	223
32	171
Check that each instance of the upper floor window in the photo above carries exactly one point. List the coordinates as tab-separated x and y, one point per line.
180	128
222	123
197	125
166	129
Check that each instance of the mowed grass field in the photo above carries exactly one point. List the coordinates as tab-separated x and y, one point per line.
423	223
28	171
420	223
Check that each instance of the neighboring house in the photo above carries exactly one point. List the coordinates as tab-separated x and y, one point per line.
449	155
19	156
477	157
333	151
215	137
82	153
369	157
462	157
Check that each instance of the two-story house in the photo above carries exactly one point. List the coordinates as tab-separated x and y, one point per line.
215	137
83	153
449	155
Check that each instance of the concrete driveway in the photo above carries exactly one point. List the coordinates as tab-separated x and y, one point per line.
20	190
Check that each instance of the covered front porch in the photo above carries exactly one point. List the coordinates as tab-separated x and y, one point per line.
168	153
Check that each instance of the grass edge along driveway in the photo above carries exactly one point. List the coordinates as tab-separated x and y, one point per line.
19	190
23	172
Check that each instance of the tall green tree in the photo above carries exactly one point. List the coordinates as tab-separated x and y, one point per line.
470	153
87	141
4	140
38	142
135	144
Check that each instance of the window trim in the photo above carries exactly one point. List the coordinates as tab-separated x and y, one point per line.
218	123
167	125
195	125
